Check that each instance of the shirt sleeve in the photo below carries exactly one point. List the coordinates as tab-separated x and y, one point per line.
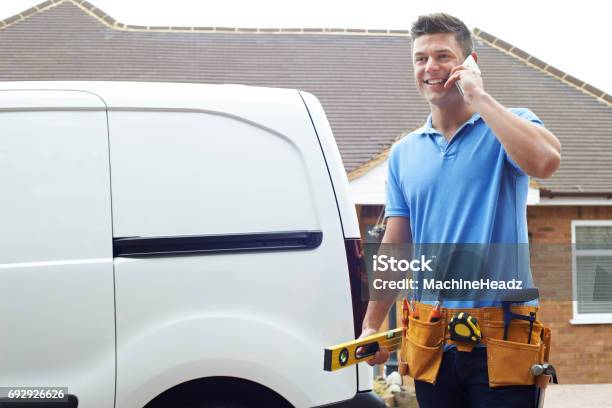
396	202
530	117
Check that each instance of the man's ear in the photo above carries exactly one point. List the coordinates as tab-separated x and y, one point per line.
475	56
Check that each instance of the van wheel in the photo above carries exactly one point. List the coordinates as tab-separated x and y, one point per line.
219	392
218	405
233	404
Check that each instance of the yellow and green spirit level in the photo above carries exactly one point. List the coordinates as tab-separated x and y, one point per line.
356	351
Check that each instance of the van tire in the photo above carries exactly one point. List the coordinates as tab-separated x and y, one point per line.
233	404
219	392
217	405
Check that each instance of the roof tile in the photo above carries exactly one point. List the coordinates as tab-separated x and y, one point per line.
99	13
88	5
29	11
44	4
537	62
486	36
12	19
519	53
592	89
556	72
573	80
503	45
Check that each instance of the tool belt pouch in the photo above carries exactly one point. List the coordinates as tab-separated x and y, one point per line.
509	362
421	352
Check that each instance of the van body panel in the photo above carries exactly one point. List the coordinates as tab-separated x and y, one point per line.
239	306
56	245
48	100
247	351
192	173
346	207
197	173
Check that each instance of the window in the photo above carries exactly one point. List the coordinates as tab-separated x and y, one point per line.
592	271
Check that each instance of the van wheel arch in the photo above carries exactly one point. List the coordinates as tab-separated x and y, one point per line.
219	392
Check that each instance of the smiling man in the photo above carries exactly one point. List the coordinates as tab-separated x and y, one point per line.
461	178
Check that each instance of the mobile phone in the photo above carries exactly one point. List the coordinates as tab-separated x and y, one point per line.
470	63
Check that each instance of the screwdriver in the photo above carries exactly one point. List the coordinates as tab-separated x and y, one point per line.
405	315
435	314
414	313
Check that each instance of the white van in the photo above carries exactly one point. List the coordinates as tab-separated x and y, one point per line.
175	245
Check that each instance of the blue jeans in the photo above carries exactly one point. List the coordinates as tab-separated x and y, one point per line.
463	382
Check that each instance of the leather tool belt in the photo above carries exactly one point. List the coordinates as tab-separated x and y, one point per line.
509	361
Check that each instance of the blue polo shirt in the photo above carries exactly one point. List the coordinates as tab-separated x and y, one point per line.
467	190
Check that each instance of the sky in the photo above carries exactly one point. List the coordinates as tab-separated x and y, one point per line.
574	36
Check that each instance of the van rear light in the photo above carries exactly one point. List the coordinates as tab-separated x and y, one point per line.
359	282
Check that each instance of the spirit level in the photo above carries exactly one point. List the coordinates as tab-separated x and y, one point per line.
356	351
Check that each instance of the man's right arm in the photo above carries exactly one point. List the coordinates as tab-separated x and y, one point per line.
397	232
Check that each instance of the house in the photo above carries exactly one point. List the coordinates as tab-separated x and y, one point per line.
364	80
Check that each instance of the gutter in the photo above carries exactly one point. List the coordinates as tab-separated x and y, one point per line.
591	194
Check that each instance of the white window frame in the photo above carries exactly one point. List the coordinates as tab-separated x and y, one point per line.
587	318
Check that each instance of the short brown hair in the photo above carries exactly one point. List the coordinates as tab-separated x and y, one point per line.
443	23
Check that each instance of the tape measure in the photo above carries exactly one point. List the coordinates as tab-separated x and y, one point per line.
346	354
464	327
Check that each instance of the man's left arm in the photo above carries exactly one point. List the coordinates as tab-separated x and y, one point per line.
531	146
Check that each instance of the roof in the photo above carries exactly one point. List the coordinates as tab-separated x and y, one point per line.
363	78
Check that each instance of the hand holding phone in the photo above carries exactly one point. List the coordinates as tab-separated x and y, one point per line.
469	63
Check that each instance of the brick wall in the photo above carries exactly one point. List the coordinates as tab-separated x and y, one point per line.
581	353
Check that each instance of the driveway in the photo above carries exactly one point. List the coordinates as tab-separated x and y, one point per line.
579	396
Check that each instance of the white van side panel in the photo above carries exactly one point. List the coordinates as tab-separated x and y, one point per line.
235	176
190	317
350	224
220	172
57	302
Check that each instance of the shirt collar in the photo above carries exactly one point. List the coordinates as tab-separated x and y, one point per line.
428	129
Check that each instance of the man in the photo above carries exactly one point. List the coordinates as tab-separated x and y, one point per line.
461	178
